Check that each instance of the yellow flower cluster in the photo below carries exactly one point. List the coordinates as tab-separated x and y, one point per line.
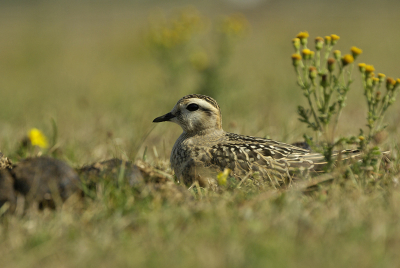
177	31
234	25
368	69
331	64
329	41
312	67
391	83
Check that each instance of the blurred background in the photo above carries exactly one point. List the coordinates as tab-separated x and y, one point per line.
103	70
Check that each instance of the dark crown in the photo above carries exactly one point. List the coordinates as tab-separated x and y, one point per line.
203	97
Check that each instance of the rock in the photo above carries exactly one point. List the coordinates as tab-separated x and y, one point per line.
7	193
39	178
92	174
4	162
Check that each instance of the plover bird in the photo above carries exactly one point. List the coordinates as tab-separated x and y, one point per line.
204	149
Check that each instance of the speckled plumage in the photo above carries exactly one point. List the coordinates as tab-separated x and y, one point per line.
204	148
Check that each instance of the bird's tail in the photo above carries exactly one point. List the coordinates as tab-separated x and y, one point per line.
337	158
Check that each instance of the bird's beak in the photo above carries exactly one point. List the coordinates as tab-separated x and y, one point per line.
163	118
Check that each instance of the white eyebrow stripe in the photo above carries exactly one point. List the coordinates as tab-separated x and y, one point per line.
202	103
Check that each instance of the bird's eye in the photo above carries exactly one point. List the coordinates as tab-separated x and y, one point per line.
192	107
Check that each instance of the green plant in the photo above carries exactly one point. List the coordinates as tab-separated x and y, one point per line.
325	82
179	47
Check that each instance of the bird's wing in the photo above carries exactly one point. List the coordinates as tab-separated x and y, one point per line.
247	153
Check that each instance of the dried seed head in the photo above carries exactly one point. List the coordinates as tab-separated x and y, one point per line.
390	83
312	72
331	64
378	96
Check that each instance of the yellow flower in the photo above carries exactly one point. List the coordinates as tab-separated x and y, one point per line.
355	51
306	53
398	81
347	59
328	40
369	68
375	80
37	138
362	66
335	38
223	176
361	138
302	35
296	58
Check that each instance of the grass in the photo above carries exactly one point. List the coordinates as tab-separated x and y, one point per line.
341	225
86	66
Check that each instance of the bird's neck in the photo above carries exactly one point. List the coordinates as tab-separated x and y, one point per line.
204	132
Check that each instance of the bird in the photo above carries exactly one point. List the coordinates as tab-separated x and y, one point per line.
204	149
